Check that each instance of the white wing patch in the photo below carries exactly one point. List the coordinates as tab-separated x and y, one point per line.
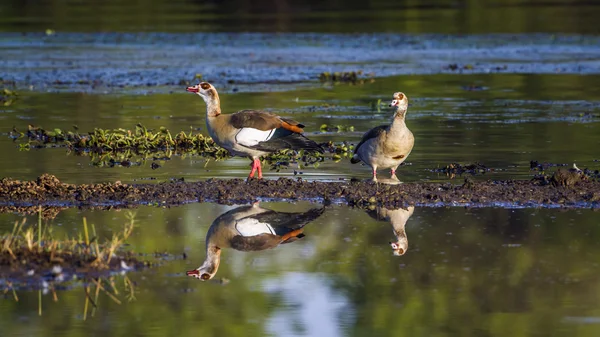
251	136
252	227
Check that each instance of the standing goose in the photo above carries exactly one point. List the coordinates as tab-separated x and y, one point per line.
398	219
387	146
251	133
250	228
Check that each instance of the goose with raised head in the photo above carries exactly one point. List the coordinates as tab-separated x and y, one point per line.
387	146
251	133
251	228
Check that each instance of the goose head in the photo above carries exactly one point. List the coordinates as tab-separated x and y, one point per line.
400	101
204	90
400	247
209	268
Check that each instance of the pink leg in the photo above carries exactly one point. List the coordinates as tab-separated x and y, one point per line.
258	165
394	174
374	174
253	170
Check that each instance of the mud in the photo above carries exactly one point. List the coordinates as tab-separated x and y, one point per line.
47	190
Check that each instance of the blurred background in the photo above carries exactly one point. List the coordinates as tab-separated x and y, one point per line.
431	16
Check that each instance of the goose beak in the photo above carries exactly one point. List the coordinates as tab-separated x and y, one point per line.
193	89
195	272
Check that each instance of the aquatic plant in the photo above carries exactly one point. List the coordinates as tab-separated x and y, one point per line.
121	147
8	97
336	128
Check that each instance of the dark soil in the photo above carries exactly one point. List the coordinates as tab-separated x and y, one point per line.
541	191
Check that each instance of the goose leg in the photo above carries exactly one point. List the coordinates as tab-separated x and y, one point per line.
254	168
258	165
394	173
375	173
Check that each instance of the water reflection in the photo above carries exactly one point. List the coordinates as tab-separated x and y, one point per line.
251	228
398	219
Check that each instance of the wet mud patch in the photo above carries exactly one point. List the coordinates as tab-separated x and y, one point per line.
539	192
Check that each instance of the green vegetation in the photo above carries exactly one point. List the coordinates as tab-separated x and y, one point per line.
8	97
336	128
133	147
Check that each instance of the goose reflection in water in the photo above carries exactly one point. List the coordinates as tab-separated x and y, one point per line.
251	228
398	219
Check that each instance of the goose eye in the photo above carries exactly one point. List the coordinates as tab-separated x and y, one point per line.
205	86
205	276
394	102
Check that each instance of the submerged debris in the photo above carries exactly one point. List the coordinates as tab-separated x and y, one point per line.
536	165
454	169
352	77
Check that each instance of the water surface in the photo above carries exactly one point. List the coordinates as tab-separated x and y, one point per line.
466	272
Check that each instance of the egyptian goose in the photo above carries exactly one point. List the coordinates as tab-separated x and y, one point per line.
387	146
250	228
251	133
398	219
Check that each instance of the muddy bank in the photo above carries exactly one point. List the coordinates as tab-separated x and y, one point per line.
47	190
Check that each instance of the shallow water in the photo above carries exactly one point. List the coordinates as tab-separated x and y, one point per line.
466	272
515	119
497	83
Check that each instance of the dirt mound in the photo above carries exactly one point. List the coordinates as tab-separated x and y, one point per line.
48	190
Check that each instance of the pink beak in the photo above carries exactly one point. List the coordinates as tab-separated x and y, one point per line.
194	272
192	89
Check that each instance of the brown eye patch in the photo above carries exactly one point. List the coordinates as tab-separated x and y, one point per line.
401	96
204	85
